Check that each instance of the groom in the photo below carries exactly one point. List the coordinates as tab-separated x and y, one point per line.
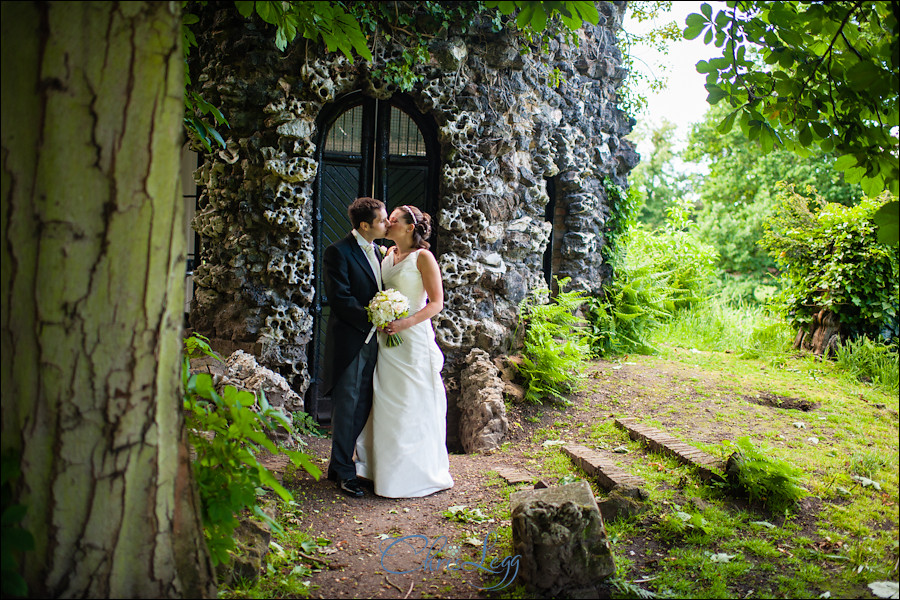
352	278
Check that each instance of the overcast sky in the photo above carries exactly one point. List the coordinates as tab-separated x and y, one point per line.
683	101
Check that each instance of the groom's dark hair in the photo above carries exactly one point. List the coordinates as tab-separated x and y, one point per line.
363	210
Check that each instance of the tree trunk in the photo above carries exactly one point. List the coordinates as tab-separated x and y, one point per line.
823	336
92	292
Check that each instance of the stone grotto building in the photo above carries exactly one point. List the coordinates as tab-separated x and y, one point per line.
511	168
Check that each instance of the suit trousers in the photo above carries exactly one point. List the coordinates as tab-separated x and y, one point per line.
351	402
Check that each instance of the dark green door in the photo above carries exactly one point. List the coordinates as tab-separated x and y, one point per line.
384	149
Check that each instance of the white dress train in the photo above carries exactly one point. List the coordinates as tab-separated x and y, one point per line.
403	446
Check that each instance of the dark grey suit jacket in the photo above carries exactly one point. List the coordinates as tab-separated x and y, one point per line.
349	286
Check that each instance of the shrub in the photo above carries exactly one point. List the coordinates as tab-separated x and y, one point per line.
227	434
657	274
772	482
555	346
830	259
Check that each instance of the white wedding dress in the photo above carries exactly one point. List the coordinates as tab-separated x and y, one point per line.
403	446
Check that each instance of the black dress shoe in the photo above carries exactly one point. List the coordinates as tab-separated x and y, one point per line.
351	487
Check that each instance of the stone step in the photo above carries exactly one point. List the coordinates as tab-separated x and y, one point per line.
608	475
513	476
664	443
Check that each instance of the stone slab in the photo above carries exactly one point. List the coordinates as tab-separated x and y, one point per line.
664	443
513	476
608	475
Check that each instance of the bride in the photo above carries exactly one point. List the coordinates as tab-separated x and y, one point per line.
403	447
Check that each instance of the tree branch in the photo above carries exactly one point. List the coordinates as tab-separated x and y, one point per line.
839	32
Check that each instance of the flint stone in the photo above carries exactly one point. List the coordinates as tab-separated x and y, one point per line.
245	373
558	532
622	504
251	540
483	422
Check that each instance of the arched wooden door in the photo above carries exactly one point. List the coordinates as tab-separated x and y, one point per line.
366	147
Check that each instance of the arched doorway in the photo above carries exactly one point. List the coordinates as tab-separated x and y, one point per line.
386	149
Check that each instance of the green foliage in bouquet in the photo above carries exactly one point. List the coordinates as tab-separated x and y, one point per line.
750	471
830	258
555	345
227	435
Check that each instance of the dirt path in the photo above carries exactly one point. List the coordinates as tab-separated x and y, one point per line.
691	403
356	528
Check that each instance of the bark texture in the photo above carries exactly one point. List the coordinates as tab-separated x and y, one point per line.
92	292
822	337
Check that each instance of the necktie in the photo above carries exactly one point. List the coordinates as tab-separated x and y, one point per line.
373	262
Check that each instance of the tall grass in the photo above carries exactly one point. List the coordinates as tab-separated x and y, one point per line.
870	361
718	325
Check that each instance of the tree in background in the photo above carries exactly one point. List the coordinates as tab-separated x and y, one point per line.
660	38
798	74
739	193
657	176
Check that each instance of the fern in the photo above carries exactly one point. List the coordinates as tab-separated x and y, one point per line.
555	347
772	482
658	275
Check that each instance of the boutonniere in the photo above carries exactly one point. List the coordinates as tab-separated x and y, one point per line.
383	250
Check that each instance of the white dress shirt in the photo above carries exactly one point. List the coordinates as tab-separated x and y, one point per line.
368	249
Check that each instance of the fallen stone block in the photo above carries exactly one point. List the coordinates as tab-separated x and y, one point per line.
559	536
482	423
514	476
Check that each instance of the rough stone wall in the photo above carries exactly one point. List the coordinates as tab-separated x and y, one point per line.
502	130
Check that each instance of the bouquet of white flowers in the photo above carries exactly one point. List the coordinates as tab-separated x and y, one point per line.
388	305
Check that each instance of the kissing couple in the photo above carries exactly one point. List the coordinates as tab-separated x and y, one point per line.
388	402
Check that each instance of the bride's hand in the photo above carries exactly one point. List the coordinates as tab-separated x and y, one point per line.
398	326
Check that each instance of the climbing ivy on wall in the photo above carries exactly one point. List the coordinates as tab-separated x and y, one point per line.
352	27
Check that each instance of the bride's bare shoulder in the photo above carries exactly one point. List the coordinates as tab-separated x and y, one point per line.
424	255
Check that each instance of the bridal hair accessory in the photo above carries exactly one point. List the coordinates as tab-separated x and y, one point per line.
409	210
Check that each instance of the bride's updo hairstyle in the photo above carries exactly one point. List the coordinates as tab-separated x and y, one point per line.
421	222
